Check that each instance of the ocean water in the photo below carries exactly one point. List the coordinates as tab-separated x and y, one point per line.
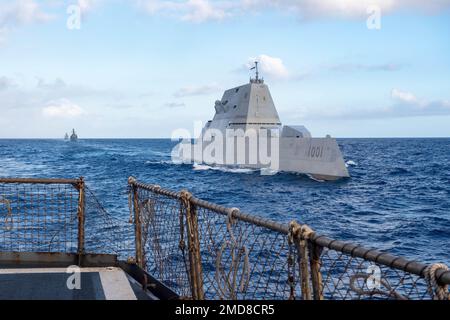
398	198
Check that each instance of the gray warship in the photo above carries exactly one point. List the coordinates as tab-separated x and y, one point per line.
73	136
248	111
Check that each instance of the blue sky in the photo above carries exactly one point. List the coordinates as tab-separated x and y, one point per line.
144	68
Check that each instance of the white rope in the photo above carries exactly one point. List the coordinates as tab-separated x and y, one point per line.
437	291
389	292
227	283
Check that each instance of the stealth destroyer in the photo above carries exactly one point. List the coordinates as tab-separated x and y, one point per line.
246	132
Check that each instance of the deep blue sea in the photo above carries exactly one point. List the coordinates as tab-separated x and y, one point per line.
398	198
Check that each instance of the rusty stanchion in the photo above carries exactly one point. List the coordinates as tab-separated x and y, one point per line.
81	217
195	261
300	235
315	251
139	252
197	254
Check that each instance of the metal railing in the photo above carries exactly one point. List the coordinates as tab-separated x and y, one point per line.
58	215
207	251
42	215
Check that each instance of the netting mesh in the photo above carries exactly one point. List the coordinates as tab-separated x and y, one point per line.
164	247
38	218
43	217
202	250
245	257
351	278
105	233
241	260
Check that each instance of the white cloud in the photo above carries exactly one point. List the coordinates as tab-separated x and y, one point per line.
310	9
58	84
404	104
18	13
190	10
57	88
62	108
404	97
409	104
87	6
270	66
5	83
174	105
202	10
197	90
22	12
205	10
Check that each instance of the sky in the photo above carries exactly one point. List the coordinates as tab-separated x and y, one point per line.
145	68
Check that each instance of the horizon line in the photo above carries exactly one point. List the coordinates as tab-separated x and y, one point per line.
168	138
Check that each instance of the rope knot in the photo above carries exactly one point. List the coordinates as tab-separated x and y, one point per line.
131	180
437	291
230	219
306	232
298	231
185	197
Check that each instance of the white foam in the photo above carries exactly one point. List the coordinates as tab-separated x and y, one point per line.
351	163
203	167
268	172
315	179
234	170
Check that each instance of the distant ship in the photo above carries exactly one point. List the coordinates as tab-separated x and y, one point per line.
74	136
250	108
66	136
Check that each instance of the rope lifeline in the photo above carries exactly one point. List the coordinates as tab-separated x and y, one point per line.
228	288
437	291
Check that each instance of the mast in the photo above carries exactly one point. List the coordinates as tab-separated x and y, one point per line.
257	79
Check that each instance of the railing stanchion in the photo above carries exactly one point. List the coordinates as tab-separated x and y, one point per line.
315	252
81	218
300	236
195	262
137	225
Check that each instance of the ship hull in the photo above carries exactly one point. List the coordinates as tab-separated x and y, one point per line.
320	158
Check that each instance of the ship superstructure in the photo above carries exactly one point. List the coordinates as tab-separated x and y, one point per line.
73	136
246	132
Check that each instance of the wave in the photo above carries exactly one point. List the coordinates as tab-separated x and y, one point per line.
351	163
312	178
399	171
160	153
204	167
160	162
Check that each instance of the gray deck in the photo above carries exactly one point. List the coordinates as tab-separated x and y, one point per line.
45	276
51	284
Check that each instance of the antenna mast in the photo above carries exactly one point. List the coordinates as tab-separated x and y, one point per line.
256	80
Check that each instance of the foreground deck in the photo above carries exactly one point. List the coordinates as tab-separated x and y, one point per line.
56	276
55	230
